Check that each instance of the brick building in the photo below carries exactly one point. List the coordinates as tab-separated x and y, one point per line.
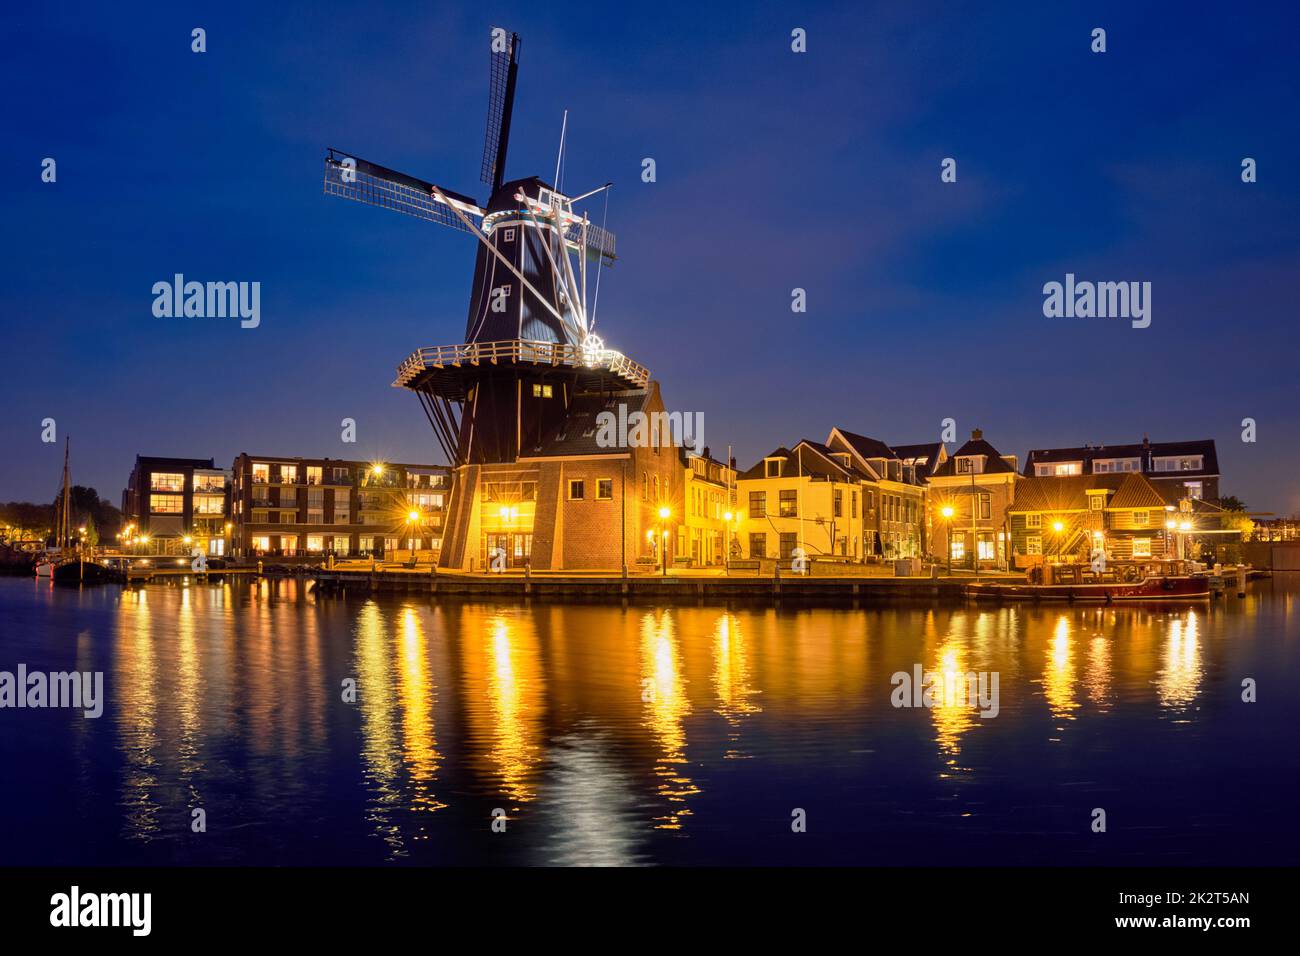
571	501
288	507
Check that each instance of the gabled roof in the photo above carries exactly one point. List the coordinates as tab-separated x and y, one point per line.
864	446
1070	492
993	460
931	452
1089	453
809	458
1136	492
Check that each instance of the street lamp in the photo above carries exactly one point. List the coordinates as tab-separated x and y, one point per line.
1058	527
413	519
664	514
947	513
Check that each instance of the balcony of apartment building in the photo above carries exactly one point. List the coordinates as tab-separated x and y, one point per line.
430	481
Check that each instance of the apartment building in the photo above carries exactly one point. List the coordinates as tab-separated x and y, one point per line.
172	505
311	508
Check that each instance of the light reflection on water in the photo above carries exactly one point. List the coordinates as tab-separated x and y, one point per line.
594	728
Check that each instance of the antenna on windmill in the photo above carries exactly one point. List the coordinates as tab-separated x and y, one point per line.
564	126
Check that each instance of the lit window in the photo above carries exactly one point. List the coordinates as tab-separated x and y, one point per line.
1033	521
1141	547
167	504
261	473
162	481
1034	544
576	489
1141	518
958	548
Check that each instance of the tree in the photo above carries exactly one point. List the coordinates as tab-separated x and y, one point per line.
1232	503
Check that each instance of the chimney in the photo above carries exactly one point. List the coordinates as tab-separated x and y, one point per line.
976	434
706	451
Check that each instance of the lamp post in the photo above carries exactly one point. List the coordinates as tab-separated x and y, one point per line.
664	514
413	522
1058	528
947	513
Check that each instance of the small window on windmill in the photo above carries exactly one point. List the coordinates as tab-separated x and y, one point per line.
508	235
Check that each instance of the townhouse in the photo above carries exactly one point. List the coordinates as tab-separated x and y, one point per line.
1184	469
1064	518
970	494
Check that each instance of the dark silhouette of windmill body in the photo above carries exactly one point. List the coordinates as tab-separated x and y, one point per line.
529	347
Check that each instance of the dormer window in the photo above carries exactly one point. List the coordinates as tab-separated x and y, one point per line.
772	467
970	464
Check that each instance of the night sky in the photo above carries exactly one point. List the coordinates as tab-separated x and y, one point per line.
775	170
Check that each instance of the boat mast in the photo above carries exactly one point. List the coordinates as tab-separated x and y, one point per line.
63	522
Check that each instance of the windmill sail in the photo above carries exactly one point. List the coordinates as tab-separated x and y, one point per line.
350	178
503	68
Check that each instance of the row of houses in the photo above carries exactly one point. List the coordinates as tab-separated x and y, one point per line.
571	503
975	507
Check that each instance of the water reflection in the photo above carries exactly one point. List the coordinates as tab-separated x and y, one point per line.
596	727
666	708
380	752
1058	672
503	667
732	680
416	690
135	683
1179	679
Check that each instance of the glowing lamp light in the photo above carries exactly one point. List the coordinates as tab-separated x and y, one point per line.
665	512
649	535
946	511
413	516
377	469
1185	526
187	539
1170	525
727	516
1057	526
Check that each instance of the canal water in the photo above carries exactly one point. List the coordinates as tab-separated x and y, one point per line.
645	735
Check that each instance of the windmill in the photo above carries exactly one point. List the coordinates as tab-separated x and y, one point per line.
529	345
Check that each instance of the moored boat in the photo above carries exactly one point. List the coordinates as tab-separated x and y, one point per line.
1187	587
87	572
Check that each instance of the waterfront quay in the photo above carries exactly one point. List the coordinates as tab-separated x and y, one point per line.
680	585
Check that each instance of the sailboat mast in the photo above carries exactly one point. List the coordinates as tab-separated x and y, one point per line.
63	523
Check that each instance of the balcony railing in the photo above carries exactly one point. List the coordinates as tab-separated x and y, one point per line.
522	350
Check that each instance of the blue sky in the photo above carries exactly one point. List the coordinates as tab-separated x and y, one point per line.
775	171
